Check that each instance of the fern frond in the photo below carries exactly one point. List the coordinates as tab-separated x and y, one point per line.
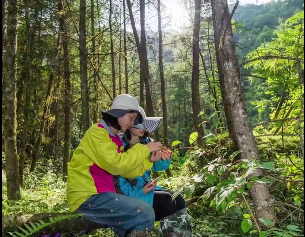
32	228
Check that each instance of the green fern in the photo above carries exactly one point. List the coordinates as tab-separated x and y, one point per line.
32	228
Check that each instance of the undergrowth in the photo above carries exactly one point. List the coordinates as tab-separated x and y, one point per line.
214	175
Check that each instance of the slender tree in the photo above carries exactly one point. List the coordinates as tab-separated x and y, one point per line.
83	65
195	74
137	41
233	95
125	48
67	90
112	50
163	93
10	122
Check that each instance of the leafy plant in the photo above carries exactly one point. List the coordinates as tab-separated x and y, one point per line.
32	228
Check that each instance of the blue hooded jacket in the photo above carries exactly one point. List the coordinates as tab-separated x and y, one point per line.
134	188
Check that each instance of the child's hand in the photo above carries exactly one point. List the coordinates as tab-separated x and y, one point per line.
166	154
149	187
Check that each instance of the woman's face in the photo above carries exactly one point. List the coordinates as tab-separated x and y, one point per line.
127	121
136	131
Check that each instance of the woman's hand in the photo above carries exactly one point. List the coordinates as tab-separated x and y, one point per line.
149	187
154	146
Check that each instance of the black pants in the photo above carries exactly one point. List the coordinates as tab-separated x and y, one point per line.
164	205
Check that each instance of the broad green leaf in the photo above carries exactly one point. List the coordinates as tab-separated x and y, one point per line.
249	185
297	201
193	137
262	234
211	179
175	143
207	193
267	165
241	190
266	222
264	180
223	195
293	227
232	196
246	225
279	233
247	216
210	142
224	206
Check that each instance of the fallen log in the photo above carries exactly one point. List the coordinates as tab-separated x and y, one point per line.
69	224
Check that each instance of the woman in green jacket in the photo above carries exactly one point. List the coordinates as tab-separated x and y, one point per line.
99	156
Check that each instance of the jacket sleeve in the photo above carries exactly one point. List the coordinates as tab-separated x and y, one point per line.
161	165
104	152
130	190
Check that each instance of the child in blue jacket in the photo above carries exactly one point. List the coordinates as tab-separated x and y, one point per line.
172	214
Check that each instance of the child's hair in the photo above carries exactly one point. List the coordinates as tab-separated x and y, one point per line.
111	121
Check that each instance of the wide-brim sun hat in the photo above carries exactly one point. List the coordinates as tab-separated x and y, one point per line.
123	104
150	123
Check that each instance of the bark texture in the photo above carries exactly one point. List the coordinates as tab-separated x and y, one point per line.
234	97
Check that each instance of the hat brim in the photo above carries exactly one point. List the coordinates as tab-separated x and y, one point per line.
117	113
152	123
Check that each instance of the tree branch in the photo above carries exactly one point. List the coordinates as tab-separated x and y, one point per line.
269	57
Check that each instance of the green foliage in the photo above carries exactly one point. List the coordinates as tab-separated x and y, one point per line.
222	181
193	137
279	94
33	228
259	21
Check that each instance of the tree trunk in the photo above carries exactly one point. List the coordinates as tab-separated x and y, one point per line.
57	104
234	97
195	75
42	123
3	18
144	68
83	66
143	58
120	56
112	50
27	100
216	102
125	49
217	34
10	122
95	106
67	93
163	93
136	37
